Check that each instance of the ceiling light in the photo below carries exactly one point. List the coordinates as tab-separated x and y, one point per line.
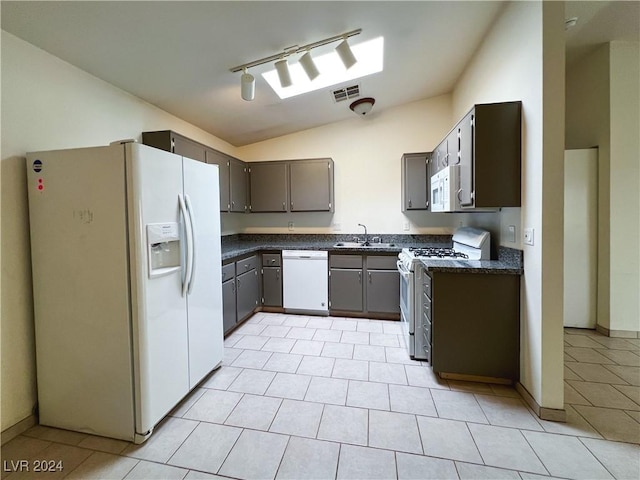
306	63
345	54
282	67
370	56
363	106
309	66
247	86
570	23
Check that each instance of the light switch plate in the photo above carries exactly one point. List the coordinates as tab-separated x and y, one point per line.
511	233
528	236
406	226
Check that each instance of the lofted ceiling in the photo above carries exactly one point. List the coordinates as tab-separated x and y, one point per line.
177	54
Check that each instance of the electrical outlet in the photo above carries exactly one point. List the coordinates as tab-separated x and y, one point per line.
291	226
511	233
406	226
337	227
528	236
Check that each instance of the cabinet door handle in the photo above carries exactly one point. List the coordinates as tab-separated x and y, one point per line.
233	204
278	274
359	277
284	206
369	277
233	287
409	203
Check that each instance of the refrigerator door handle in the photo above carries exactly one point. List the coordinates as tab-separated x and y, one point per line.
187	221
192	221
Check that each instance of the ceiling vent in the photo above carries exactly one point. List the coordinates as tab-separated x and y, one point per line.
346	93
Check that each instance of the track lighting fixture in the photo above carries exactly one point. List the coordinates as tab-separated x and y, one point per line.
247	81
282	67
346	55
247	86
309	66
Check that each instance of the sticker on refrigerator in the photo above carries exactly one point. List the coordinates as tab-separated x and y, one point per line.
37	166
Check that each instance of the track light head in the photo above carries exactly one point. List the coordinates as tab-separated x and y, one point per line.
282	67
247	86
309	66
346	55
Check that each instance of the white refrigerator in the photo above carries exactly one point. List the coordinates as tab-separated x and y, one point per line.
125	248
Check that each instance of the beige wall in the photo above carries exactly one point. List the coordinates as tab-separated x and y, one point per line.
602	110
522	58
48	104
366	153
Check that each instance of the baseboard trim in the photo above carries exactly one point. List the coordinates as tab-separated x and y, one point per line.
617	333
20	427
551	414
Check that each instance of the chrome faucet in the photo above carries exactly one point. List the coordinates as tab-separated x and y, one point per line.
366	240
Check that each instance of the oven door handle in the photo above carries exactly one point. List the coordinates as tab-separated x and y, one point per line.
401	268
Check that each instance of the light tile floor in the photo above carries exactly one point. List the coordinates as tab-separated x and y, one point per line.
309	397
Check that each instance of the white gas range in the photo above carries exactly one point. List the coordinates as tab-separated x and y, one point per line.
468	244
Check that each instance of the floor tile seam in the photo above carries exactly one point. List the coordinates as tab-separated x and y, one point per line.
604	407
586	420
526	407
66	474
632	417
171	455
595	456
282	457
229	452
601	383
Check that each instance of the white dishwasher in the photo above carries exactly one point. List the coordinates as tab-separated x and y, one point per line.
305	281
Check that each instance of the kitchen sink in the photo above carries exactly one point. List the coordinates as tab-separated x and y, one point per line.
363	245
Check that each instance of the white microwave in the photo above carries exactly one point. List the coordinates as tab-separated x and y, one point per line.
445	187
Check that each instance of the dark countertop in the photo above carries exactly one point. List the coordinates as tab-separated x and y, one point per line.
510	261
473	266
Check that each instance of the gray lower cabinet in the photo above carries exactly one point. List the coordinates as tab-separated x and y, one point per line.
479	336
364	284
383	291
247	294
272	279
345	289
229	304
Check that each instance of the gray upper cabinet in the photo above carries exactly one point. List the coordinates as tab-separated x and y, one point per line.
301	185
233	172
415	181
238	186
486	144
268	186
175	143
492	148
311	185
223	161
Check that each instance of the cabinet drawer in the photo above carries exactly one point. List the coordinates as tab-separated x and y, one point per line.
426	284
426	306
382	262
426	328
246	264
271	260
228	271
345	261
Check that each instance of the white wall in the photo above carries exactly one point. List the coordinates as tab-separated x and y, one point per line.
625	186
366	153
602	110
49	104
587	125
522	58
